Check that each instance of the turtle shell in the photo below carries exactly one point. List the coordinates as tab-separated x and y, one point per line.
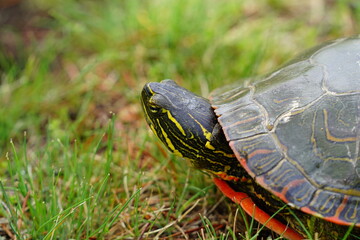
297	130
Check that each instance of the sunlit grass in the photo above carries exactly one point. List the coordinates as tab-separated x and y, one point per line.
76	157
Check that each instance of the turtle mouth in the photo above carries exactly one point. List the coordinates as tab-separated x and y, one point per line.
146	95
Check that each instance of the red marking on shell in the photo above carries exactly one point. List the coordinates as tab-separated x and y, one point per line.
281	195
242	160
335	218
246	120
259	151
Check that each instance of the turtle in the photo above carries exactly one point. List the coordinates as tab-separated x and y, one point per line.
290	138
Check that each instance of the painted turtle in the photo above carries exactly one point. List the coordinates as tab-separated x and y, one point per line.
290	137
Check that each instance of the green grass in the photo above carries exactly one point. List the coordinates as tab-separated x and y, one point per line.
76	157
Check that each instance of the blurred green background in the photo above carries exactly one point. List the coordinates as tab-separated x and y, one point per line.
76	157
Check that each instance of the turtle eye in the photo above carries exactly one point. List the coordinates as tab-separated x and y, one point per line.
154	108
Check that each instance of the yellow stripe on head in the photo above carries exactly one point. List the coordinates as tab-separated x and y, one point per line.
177	124
168	141
206	133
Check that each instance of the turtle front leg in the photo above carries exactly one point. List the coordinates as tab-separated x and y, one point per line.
259	215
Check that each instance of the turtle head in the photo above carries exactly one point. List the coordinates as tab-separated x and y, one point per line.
187	125
177	116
